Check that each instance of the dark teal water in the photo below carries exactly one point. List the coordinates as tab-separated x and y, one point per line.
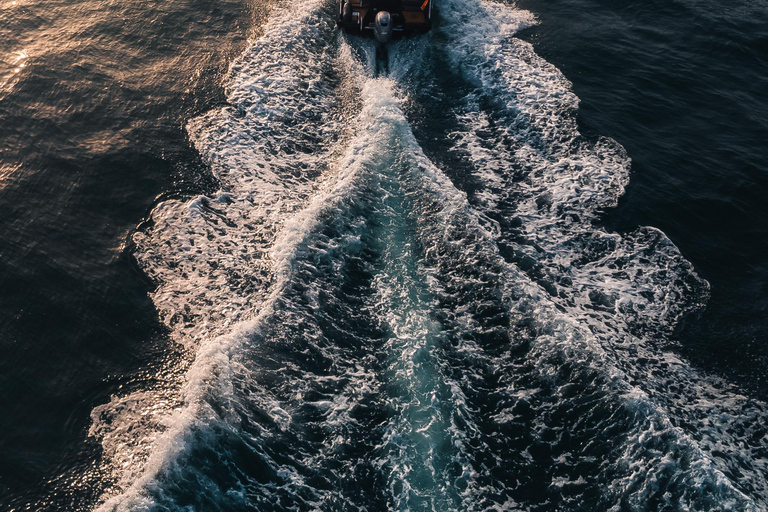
435	304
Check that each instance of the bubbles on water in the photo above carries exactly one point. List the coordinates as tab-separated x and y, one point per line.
367	335
542	187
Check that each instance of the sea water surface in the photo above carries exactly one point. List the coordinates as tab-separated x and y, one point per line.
518	267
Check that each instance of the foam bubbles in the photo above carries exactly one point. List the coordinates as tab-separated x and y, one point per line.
542	186
366	335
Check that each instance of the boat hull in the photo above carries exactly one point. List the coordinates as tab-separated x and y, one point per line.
408	16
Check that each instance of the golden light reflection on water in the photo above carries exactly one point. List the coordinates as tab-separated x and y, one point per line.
7	172
15	61
84	84
20	61
14	64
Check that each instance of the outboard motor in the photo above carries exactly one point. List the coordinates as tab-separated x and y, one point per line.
382	27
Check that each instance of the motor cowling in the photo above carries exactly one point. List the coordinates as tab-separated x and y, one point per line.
382	27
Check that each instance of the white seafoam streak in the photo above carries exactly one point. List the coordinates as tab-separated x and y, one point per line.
241	242
639	281
277	185
211	373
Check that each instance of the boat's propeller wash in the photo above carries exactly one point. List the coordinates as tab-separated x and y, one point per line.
401	298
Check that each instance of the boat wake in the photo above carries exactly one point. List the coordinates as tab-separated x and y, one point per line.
378	322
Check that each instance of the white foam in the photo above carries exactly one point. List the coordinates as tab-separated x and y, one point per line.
220	261
626	292
245	272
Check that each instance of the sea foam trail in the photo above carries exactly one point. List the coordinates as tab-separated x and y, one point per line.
552	387
367	336
255	391
542	186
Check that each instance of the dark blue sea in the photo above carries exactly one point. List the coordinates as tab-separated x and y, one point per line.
247	265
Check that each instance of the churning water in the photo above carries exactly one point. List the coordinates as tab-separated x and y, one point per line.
374	331
402	296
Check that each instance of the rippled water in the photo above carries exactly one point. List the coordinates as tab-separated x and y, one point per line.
93	97
400	292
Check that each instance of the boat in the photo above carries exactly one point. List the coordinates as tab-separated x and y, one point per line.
384	19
